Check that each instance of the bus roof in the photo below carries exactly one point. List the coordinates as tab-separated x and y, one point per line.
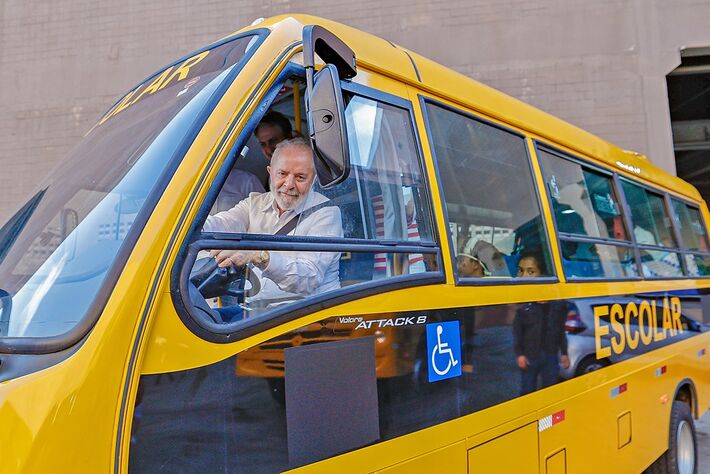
377	54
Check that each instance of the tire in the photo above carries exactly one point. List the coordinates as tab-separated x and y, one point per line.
590	364
682	454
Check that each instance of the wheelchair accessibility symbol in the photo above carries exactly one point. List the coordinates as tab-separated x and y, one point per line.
444	350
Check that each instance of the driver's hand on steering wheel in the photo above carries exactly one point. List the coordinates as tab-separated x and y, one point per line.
238	258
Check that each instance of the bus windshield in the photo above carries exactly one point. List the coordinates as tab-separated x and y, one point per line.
56	251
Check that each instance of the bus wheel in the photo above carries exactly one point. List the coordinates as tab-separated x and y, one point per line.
590	364
681	457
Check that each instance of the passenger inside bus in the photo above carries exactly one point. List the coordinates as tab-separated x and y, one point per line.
469	266
531	265
478	258
382	199
291	199
238	185
273	128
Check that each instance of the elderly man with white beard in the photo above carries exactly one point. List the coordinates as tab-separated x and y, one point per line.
285	273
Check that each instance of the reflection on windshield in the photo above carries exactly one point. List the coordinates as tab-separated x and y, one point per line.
363	119
56	251
12	228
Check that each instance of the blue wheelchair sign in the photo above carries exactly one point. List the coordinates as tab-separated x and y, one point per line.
443	341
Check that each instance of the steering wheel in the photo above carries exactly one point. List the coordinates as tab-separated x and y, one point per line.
213	281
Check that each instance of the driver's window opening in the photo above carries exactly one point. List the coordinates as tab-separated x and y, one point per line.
272	190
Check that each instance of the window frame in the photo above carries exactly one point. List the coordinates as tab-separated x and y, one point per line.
404	104
683	249
695	207
484	281
674	229
541	146
617	179
663	195
196	240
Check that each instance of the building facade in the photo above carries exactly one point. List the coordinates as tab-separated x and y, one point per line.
602	65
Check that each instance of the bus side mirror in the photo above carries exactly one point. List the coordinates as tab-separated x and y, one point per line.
325	109
326	127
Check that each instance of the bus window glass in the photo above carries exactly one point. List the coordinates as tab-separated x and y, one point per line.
384	198
385	195
698	265
593	260
662	264
691	226
493	211
583	200
62	243
648	213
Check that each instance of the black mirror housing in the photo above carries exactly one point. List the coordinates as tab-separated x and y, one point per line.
325	109
326	125
330	48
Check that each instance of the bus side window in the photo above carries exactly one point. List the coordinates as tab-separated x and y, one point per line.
694	237
653	230
385	196
494	214
586	207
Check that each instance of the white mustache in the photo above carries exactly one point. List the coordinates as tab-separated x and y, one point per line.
289	193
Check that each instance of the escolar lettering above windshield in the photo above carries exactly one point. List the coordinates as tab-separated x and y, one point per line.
187	69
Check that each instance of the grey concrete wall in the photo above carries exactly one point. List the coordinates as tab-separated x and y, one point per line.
598	64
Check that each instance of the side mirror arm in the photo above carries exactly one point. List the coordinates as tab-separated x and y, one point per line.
330	48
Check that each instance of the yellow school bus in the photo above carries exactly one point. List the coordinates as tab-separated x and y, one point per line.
304	248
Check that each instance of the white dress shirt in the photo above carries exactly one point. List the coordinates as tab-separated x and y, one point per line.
289	274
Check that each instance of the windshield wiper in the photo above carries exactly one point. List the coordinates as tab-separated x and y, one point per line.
12	228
